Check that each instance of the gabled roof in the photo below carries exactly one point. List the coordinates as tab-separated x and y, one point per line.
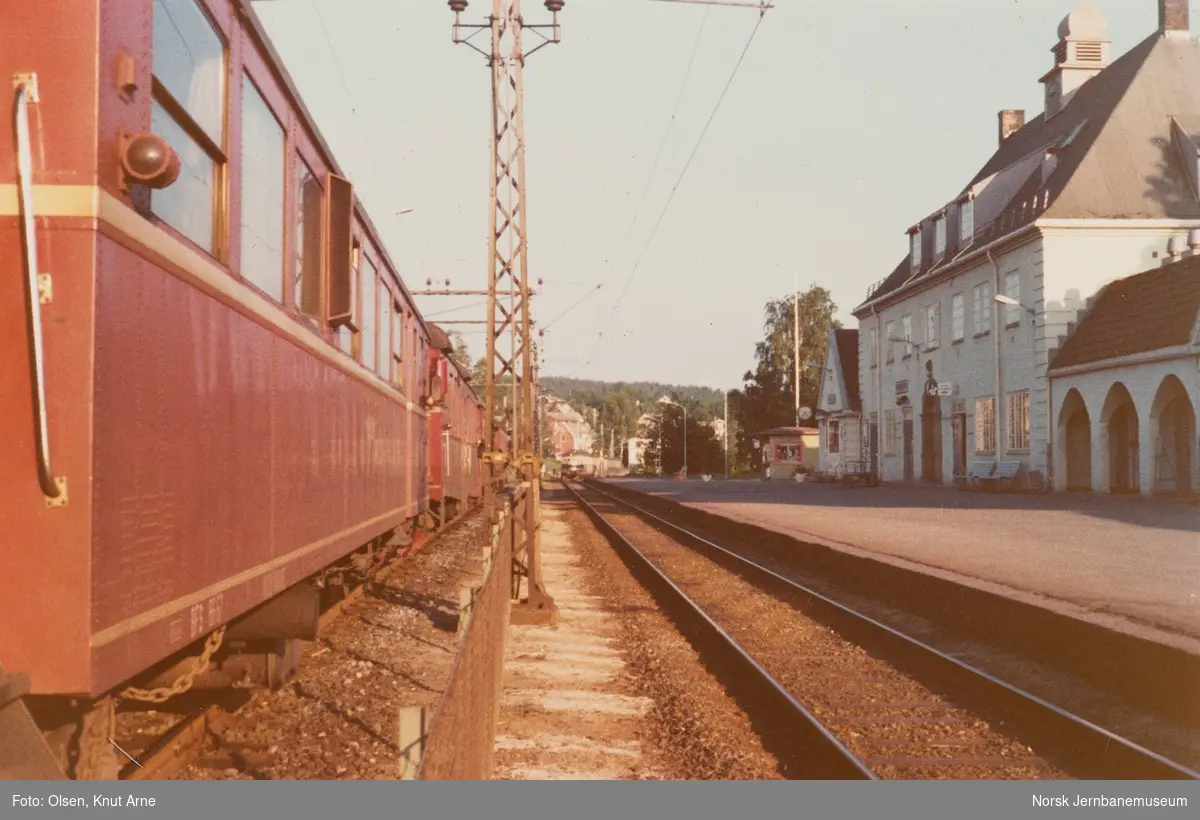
847	350
1149	311
1114	149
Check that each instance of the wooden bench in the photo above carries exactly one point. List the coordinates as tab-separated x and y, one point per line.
1005	474
980	471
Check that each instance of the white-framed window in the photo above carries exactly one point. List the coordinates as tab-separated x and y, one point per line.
834	437
933	326
309	244
985	425
890	432
908	334
1012	289
956	317
915	244
1018	421
889	334
966	222
873	356
983	308
939	237
188	109
263	159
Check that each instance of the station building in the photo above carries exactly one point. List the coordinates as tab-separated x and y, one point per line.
956	342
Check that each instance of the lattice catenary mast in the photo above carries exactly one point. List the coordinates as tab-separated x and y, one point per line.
508	269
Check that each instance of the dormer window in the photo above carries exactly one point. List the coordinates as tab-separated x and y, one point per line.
916	248
939	237
966	222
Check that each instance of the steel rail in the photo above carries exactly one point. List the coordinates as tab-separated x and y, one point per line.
837	762
1142	762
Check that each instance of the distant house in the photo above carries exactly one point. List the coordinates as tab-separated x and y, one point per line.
1126	385
569	431
839	410
786	449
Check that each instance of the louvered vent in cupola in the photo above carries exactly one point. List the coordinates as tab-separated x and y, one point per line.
1060	53
1089	52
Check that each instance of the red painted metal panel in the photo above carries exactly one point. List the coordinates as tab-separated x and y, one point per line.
221	447
56	39
44	551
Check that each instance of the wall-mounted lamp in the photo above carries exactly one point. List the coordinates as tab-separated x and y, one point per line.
1011	302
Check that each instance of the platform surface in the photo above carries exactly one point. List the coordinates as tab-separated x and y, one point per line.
1126	563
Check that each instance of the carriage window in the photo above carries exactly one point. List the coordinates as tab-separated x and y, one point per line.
262	161
370	318
384	365
343	335
310	232
188	110
398	345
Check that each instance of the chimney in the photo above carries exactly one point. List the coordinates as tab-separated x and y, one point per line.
1010	122
1173	16
1175	250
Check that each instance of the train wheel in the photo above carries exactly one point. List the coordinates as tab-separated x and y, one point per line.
97	756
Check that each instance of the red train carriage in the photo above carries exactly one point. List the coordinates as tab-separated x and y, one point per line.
214	377
454	453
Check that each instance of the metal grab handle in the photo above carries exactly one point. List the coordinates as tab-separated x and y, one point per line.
46	479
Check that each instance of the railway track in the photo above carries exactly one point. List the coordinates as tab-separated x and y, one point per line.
171	752
859	698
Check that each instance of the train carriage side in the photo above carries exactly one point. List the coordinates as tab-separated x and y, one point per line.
233	368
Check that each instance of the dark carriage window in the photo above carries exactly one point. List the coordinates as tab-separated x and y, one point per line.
188	111
398	345
262	159
370	318
310	236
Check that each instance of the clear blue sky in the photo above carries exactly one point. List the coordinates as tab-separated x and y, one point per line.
847	122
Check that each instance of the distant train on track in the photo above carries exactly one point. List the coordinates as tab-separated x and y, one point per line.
217	393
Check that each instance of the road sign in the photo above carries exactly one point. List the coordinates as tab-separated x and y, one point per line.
945	389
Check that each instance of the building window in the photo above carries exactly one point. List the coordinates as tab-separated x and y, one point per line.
188	111
890	432
873	355
890	332
939	237
956	316
983	308
916	249
1018	421
908	335
835	437
1012	289
985	425
310	242
966	222
933	326
263	160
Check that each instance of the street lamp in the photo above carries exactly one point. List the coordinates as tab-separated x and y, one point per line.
665	400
